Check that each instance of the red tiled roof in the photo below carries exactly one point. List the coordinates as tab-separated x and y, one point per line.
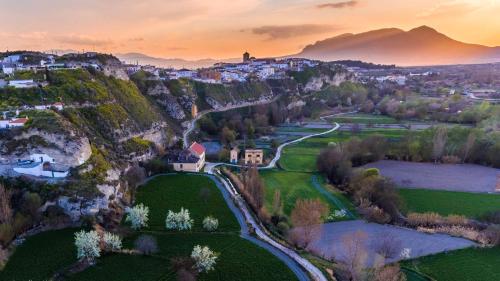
197	148
19	121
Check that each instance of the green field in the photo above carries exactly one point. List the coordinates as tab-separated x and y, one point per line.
299	185
302	156
449	202
40	256
44	254
473	264
173	192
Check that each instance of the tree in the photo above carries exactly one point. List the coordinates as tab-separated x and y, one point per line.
31	203
138	216
210	223
87	245
439	142
389	273
146	244
134	176
334	162
228	136
112	242
353	259
178	221
204	258
469	144
277	204
5	207
254	188
307	217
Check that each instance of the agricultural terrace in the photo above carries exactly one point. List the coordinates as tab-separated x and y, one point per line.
44	254
445	203
477	264
302	156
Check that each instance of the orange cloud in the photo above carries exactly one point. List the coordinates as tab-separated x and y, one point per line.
338	5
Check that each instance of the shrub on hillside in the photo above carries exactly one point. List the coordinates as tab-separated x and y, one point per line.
112	242
87	245
374	214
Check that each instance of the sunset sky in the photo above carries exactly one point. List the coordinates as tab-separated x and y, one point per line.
195	29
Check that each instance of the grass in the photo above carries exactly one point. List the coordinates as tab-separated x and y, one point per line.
173	192
46	253
302	156
473	264
40	256
299	185
238	260
449	202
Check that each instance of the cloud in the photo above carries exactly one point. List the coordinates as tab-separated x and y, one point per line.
338	5
136	39
82	40
286	31
446	9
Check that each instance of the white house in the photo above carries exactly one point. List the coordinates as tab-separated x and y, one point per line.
189	160
22	83
41	165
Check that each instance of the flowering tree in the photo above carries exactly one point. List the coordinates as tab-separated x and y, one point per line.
112	242
138	216
87	245
180	221
210	223
204	258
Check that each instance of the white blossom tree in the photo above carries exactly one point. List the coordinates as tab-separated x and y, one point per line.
87	245
179	221
138	216
210	223
204	258
112	242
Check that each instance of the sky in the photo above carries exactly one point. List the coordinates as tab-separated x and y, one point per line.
196	29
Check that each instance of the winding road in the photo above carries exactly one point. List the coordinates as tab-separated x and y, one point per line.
192	124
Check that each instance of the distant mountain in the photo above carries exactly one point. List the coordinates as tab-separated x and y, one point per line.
419	46
175	62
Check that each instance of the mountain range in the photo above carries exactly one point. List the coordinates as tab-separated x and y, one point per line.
419	46
170	62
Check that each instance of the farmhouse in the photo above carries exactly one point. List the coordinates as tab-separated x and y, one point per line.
13	123
189	160
254	156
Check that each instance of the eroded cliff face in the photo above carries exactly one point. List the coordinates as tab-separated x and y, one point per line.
319	82
67	150
163	97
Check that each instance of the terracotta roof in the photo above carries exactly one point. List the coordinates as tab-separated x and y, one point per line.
197	148
19	121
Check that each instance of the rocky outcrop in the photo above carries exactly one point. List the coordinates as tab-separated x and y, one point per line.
317	83
173	108
67	150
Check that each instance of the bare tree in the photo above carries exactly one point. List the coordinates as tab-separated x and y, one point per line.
387	245
254	188
439	143
469	144
277	204
307	217
389	273
5	207
353	261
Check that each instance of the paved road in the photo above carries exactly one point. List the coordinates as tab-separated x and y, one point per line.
192	123
294	261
